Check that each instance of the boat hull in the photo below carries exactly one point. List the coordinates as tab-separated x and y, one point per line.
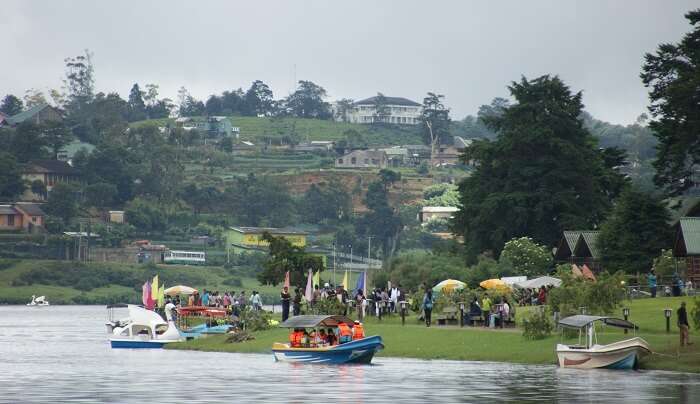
619	355
138	344
360	351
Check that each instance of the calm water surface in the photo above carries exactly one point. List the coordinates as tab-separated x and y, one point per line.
61	354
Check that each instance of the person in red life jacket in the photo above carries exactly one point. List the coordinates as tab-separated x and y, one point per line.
295	338
344	333
358	331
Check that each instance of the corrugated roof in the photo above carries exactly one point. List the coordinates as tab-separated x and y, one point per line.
24	115
8	210
690	233
32	209
571	237
389	101
271	230
53	166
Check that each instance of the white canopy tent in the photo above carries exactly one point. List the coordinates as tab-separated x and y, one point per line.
539	282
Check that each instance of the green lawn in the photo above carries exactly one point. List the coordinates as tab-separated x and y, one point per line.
414	340
211	278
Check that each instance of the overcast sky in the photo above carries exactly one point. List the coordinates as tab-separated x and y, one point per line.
468	50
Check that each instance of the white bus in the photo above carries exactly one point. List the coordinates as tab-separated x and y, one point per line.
185	257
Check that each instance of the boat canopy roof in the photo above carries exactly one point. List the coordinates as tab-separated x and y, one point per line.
581	321
117	306
315	321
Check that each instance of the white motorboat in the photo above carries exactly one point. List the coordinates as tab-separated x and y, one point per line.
38	301
588	354
143	329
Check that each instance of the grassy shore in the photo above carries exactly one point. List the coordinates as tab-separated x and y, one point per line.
480	344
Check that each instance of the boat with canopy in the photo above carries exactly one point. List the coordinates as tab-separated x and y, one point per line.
588	354
142	329
357	351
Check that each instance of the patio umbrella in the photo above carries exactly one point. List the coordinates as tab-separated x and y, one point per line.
180	290
449	285
493	284
539	282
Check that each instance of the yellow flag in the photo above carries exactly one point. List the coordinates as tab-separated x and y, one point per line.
317	280
154	288
161	296
345	280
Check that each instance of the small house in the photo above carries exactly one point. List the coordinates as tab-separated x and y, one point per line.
37	115
428	213
579	247
21	216
48	172
686	246
362	159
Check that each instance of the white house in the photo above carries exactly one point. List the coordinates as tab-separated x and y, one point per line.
401	111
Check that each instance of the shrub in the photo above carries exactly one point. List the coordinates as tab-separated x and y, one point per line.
328	306
527	257
233	282
256	320
695	312
601	297
537	325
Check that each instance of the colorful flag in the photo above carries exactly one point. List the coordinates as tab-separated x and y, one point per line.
309	294
161	296
360	283
154	288
345	280
317	279
286	280
145	291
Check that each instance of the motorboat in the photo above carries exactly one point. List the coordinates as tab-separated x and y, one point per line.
144	329
38	301
214	321
357	351
588	354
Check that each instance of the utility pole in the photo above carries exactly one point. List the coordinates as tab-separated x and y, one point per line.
350	256
369	252
334	262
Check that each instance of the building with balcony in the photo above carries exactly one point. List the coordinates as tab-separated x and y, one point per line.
400	111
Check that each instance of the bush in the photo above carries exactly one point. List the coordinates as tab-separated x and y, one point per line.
527	257
256	320
233	282
537	325
329	307
695	312
601	297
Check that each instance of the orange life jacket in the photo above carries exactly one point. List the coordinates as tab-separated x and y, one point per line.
295	339
358	332
344	330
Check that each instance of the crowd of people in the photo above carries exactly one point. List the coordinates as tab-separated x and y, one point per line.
230	301
534	297
301	338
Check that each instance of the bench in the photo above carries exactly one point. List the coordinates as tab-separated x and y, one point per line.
448	315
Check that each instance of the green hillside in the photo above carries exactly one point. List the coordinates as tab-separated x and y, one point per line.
67	282
257	129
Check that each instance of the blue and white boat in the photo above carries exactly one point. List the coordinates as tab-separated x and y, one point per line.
144	329
357	351
588	354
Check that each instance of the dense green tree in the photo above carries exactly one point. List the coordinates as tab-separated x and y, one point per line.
382	221
259	99
146	215
203	199
34	97
188	105
673	76
11	184
55	136
214	105
136	105
635	232
526	257
283	257
11	105
308	101
63	201
27	142
79	83
233	102
512	194
100	194
326	202
389	177
435	121
344	107
111	164
260	201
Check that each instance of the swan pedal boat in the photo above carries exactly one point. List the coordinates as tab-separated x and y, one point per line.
357	351
143	329
38	301
590	355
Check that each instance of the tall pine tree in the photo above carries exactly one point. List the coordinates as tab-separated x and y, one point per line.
542	175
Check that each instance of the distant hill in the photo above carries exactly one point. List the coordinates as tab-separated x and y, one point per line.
285	129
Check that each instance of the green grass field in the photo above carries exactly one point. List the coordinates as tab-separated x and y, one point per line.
211	278
414	340
254	129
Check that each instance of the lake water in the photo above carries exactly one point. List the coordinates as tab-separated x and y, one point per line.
61	354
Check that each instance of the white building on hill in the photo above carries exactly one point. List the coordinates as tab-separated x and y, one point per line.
401	111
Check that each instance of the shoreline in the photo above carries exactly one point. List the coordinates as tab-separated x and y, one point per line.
463	344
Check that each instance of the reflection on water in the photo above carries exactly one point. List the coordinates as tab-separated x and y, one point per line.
61	354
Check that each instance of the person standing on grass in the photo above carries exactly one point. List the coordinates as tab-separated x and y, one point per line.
428	306
651	279
486	308
286	298
297	302
683	325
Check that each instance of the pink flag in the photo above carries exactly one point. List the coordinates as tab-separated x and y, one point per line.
145	291
309	289
286	280
148	296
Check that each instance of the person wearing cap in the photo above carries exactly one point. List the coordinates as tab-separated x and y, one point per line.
358	331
